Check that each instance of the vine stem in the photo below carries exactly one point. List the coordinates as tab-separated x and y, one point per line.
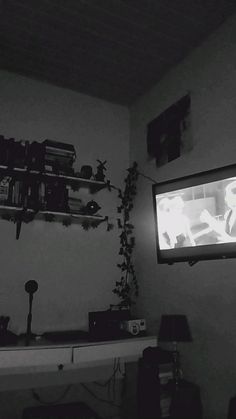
147	177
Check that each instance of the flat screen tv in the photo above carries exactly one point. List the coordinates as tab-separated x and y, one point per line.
195	216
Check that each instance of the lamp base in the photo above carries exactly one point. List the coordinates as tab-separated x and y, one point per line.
177	375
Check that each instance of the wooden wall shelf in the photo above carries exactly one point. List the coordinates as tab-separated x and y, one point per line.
38	181
77	182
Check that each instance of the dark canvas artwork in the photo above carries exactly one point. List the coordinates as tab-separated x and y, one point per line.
169	135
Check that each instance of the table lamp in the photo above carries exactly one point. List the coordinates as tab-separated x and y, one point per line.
174	328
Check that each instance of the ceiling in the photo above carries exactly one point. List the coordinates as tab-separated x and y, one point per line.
112	49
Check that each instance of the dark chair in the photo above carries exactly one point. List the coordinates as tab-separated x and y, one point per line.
185	400
60	411
232	408
148	387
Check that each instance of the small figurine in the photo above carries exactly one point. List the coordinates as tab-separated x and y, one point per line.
100	176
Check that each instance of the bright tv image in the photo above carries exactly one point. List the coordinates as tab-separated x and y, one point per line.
196	216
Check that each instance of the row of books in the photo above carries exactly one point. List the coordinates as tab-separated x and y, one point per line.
38	195
51	156
17	193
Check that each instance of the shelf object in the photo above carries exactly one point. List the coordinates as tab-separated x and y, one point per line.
36	180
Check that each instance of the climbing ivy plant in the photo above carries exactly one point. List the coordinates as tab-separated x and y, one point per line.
127	287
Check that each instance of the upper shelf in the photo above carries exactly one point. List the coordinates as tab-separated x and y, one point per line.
73	181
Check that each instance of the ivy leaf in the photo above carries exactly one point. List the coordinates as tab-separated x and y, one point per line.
86	225
110	226
94	224
6	217
122	235
120	194
119	223
49	217
129	225
66	222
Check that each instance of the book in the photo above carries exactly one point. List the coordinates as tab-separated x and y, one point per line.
59	146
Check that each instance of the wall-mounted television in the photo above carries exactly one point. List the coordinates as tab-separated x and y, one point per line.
195	216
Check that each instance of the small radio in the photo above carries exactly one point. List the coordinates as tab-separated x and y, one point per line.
134	326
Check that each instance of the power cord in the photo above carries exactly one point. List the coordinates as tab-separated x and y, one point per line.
110	384
99	398
115	369
39	399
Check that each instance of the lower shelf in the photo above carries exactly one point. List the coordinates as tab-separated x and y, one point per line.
64	216
19	215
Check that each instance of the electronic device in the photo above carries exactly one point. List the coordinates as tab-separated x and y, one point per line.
195	216
134	326
105	325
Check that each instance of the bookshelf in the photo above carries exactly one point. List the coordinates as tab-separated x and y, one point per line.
38	182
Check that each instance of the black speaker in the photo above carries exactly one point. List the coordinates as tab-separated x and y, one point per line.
105	325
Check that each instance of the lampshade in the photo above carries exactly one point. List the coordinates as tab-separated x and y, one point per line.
174	328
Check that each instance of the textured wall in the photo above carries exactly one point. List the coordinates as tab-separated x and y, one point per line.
76	270
205	292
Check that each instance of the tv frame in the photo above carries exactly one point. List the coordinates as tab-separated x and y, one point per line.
193	254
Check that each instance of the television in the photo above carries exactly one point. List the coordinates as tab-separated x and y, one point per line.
195	216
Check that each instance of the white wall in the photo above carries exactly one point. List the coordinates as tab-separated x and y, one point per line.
76	270
206	292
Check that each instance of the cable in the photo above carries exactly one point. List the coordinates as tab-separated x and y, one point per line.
37	397
110	384
99	398
115	369
147	177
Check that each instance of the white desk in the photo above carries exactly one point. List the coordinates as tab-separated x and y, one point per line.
44	364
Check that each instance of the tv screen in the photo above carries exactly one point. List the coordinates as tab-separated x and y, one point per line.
196	216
